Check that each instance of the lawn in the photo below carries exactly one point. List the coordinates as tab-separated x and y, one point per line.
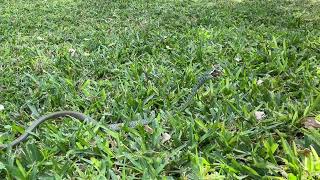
120	61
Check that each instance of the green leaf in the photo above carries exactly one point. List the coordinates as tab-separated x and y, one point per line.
2	166
202	125
250	170
292	177
21	168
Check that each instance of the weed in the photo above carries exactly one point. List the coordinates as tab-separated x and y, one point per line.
121	60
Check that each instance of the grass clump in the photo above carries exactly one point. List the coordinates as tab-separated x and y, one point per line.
122	60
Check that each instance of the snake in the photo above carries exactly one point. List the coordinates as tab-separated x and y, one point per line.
115	126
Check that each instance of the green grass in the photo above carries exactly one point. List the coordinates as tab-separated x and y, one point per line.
122	60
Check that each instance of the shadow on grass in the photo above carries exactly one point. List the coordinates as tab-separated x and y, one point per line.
273	13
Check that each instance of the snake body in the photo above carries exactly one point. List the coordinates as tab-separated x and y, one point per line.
115	126
200	82
61	114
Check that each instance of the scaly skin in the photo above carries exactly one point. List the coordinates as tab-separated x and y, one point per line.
116	126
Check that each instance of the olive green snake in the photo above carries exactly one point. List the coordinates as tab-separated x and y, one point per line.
117	126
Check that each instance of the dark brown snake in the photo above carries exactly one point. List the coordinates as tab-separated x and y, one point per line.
117	126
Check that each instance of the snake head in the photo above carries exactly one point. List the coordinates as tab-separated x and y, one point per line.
217	71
